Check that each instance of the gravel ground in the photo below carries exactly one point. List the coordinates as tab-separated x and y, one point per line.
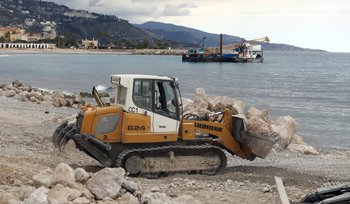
26	149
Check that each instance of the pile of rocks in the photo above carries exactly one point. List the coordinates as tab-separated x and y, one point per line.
27	93
107	186
257	121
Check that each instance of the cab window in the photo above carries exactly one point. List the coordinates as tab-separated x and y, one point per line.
142	94
165	99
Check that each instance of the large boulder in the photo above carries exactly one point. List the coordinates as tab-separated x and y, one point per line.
44	178
57	95
286	127
259	126
2	85
59	102
1	92
10	93
29	94
106	183
38	96
64	174
39	196
220	103
26	88
16	83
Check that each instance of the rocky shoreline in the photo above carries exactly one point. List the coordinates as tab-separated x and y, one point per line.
95	51
29	162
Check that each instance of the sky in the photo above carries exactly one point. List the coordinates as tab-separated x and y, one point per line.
317	24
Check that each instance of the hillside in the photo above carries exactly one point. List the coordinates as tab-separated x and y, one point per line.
40	16
186	36
190	37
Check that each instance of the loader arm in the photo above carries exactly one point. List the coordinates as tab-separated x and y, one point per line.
223	135
231	134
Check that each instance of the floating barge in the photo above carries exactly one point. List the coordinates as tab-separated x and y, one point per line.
241	52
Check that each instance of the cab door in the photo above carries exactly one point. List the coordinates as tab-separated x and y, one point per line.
166	107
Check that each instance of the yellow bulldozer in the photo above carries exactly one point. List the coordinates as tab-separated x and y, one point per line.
145	132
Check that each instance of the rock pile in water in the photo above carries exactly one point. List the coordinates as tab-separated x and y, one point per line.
107	186
257	121
27	93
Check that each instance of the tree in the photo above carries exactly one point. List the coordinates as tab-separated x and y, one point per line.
8	37
2	39
145	43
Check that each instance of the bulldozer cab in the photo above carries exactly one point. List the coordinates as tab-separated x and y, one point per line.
156	96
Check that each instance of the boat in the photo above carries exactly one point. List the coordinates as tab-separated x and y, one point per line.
248	51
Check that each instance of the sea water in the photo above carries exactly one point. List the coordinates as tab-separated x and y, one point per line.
313	88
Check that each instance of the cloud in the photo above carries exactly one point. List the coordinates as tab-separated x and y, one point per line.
94	3
183	9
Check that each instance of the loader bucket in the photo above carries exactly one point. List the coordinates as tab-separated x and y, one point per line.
260	145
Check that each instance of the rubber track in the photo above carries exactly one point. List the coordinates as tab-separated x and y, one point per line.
185	150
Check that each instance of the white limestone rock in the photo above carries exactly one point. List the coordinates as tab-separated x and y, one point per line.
64	174
106	183
259	126
38	96
286	127
44	178
10	93
57	95
39	196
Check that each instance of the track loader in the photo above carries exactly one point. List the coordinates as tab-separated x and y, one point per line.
144	131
